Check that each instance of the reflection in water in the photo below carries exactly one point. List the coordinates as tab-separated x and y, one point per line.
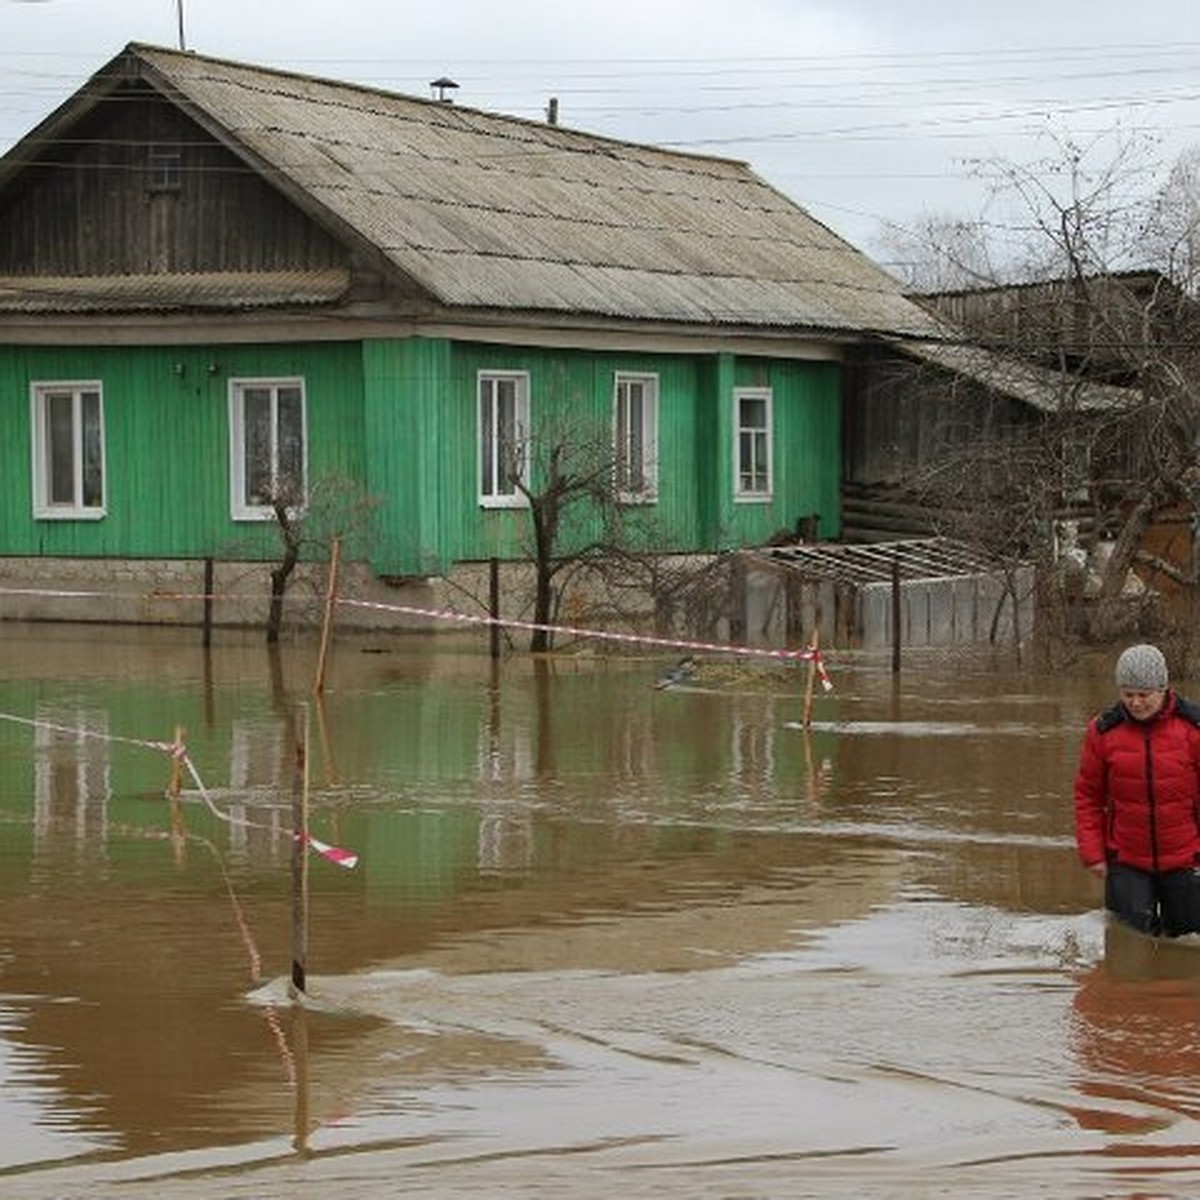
1137	1033
667	925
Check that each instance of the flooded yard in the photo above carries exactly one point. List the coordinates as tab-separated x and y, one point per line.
603	939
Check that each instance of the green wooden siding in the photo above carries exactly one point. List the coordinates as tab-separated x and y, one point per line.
806	449
421	408
166	428
398	417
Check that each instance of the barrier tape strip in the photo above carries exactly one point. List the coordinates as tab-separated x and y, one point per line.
81	731
178	751
807	654
334	854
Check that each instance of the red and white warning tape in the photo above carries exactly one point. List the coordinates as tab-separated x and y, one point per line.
807	654
334	854
178	751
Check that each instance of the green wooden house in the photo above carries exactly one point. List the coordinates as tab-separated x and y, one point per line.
221	283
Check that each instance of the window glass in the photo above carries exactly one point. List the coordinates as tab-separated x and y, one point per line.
753	444
635	436
503	434
269	449
68	458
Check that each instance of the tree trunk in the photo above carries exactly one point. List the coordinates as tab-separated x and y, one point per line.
1108	616
282	573
545	522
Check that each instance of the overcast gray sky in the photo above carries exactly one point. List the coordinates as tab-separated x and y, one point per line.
864	111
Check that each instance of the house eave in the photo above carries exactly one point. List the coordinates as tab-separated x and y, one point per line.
316	322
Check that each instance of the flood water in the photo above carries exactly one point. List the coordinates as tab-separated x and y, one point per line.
602	940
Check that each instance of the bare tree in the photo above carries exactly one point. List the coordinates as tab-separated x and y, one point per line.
335	509
579	518
1172	234
937	253
1097	311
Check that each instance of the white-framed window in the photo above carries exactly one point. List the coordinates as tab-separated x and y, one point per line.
68	450
635	437
268	447
503	437
752	444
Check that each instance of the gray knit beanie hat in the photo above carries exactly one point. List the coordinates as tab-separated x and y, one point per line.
1142	669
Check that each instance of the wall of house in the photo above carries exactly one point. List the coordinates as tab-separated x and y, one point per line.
421	397
398	418
166	429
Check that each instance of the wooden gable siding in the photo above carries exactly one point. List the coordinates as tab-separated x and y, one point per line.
421	447
166	426
90	205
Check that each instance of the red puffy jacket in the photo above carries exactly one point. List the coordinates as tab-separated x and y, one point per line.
1137	791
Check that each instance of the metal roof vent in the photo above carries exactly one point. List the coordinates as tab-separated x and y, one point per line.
441	89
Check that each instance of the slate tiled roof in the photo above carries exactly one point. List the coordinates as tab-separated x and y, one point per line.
478	211
1039	387
223	290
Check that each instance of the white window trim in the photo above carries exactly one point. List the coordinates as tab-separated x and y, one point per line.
517	499
648	494
739	495
42	508
238	509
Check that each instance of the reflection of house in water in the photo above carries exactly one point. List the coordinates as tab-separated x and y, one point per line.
260	766
752	754
506	840
71	787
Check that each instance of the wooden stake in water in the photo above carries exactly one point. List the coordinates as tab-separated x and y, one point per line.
178	836
300	863
176	783
812	678
335	555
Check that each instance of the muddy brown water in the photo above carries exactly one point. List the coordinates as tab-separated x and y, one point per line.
603	939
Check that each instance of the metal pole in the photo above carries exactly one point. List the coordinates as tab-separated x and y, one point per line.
179	11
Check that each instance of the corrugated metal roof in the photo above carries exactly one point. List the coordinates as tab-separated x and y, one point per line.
488	211
150	293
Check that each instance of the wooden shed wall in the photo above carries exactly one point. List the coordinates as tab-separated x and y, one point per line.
903	418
